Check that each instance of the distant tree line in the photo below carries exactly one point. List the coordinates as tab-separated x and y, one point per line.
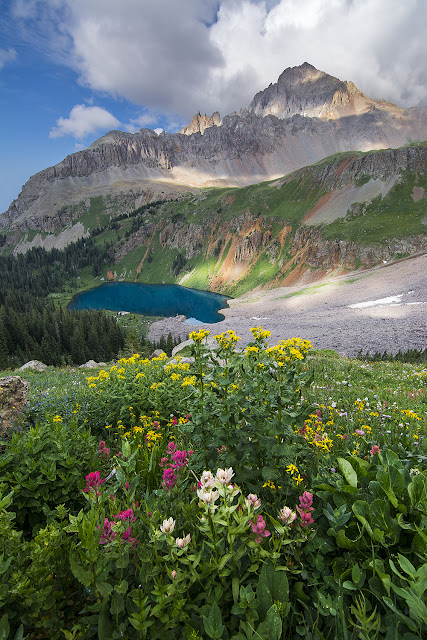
42	272
413	356
34	329
165	344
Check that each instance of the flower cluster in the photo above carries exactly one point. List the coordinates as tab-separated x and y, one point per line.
210	487
287	516
199	336
227	340
171	465
93	483
305	508
108	533
258	527
103	451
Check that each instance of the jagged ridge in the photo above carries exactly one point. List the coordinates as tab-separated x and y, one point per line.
264	141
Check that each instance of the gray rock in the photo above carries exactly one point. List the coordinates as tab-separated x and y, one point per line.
157	353
180	346
91	364
14	392
36	365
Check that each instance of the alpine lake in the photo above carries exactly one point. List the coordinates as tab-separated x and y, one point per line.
167	300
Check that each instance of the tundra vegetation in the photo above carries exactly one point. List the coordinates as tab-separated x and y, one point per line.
266	492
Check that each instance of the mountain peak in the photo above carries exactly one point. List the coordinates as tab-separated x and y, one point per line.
306	91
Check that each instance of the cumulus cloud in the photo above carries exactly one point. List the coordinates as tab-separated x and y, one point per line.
84	121
176	57
6	56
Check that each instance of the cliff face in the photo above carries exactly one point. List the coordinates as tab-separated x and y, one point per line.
267	140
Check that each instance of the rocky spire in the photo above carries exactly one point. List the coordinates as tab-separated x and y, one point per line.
200	123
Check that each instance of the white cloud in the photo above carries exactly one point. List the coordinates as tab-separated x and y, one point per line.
84	121
173	58
6	56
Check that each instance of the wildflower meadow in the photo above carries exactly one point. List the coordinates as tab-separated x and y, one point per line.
260	492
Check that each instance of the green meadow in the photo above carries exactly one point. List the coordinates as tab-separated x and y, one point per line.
269	492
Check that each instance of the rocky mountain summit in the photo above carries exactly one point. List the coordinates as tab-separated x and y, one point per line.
306	116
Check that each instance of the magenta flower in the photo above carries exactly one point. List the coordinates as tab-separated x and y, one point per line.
258	527
126	515
172	448
127	538
93	483
305	508
169	478
107	534
103	450
305	516
375	449
180	458
306	501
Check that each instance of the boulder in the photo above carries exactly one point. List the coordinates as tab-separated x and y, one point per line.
14	392
157	353
183	360
36	365
182	345
91	364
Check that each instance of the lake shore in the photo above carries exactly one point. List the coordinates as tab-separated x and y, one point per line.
384	308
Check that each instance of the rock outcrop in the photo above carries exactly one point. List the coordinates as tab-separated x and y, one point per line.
200	123
35	365
14	392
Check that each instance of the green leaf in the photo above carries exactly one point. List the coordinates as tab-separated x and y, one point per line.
213	623
418	493
362	512
19	635
83	575
356	574
4	627
235	585
264	599
105	627
349	585
274	623
392	482
406	566
224	560
348	472
343	542
280	587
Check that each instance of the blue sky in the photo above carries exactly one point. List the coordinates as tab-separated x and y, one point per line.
71	70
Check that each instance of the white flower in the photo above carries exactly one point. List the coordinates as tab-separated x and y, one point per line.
181	543
223	476
207	479
208	497
287	515
252	501
168	526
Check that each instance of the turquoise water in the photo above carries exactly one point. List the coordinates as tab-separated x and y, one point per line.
153	299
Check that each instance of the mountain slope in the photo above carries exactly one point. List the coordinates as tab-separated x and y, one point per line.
267	140
352	210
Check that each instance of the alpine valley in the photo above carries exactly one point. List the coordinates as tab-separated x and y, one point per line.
312	178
